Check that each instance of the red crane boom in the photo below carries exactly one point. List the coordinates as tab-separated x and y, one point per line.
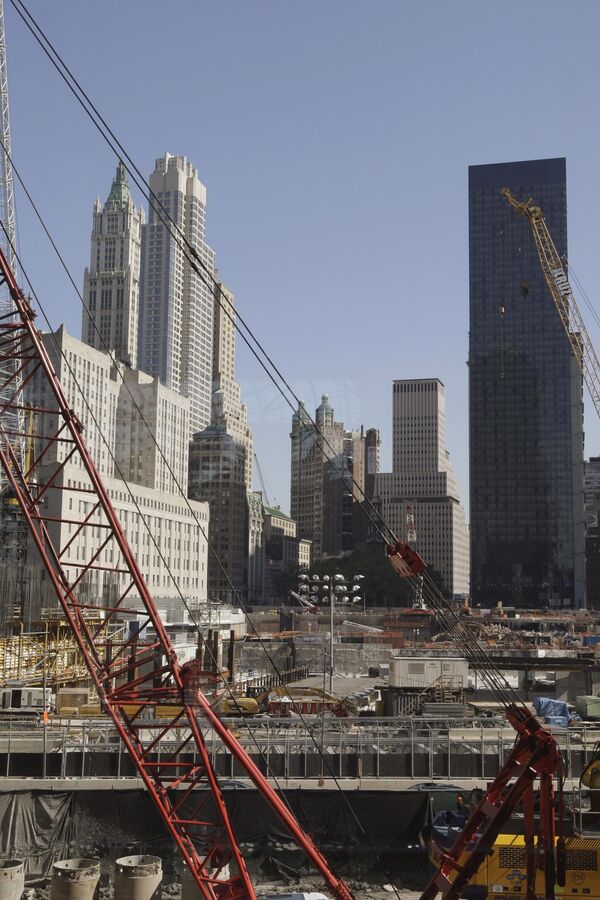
534	757
138	673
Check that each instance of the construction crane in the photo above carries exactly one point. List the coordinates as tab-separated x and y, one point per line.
141	672
263	483
560	289
534	758
13	531
411	540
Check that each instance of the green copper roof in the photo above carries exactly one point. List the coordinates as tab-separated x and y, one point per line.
119	192
273	511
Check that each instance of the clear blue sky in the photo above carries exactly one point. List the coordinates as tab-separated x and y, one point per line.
334	138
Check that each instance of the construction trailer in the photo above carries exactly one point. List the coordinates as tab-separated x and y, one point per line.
426	671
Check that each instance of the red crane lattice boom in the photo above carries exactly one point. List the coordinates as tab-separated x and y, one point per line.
137	673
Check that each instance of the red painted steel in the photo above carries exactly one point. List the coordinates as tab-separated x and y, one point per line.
534	756
135	675
404	560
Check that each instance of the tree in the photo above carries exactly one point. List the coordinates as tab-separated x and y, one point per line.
381	585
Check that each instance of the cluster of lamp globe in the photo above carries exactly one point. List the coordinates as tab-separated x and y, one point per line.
324	589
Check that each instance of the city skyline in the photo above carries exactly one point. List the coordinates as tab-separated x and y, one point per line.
405	191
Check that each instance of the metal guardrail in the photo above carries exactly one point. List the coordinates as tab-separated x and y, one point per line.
379	748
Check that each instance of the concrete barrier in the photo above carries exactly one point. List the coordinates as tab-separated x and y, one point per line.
12	879
138	878
189	886
74	879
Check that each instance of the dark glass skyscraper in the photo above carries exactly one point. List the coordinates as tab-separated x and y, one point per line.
525	400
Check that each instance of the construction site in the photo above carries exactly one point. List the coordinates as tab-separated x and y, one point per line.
164	746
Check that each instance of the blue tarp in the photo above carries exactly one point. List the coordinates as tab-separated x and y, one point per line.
554	712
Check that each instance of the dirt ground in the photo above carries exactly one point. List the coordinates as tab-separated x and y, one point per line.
173	891
405	882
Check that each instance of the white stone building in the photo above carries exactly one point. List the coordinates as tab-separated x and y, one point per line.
228	411
176	305
423	478
166	531
111	284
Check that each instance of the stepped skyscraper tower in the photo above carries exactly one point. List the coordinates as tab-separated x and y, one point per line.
111	284
176	306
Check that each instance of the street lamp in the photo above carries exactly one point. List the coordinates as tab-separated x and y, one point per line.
330	589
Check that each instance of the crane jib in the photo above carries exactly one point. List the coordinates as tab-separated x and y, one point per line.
561	281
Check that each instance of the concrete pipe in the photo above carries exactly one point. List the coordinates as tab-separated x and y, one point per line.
138	878
74	879
12	879
189	886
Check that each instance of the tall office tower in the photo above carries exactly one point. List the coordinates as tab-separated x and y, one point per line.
176	305
323	495
111	285
317	495
423	479
255	575
592	530
525	400
217	474
228	410
362	454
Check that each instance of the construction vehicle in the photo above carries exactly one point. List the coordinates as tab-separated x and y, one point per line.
535	758
140	672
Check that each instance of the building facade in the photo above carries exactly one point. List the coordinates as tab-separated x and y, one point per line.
256	548
592	530
176	304
422	482
166	532
285	552
111	284
228	411
525	400
217	475
329	477
159	462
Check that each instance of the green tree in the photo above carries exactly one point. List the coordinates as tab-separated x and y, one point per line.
381	585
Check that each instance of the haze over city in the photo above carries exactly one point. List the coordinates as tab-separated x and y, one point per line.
335	157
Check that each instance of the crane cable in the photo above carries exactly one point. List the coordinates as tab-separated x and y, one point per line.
208	650
251	341
189	251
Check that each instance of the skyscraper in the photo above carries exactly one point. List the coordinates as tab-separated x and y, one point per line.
111	285
221	470
525	399
330	475
176	305
228	410
423	480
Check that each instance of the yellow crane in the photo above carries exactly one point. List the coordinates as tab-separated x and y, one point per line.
560	289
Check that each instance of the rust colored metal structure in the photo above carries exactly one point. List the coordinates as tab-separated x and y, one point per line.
535	757
139	673
405	561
